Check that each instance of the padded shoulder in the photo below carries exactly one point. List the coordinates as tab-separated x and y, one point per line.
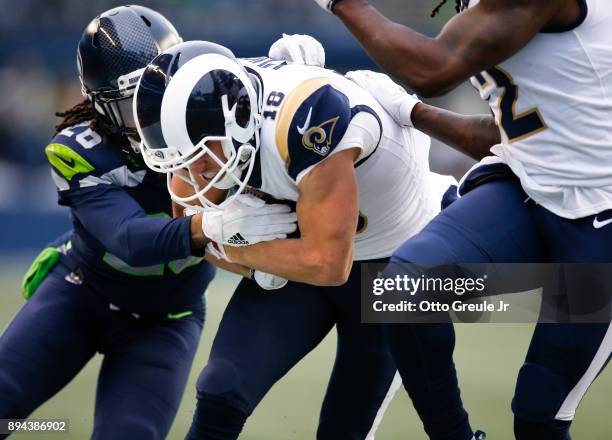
79	157
312	121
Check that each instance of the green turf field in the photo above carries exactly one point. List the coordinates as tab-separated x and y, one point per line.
487	356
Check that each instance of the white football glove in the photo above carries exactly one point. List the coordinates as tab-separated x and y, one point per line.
267	281
248	220
326	4
390	95
298	49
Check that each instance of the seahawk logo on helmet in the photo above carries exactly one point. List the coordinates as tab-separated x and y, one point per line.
192	94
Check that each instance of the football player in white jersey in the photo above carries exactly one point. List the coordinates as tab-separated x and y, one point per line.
543	193
310	137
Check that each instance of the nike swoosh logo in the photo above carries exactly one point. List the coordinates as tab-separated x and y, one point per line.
598	225
70	162
302	130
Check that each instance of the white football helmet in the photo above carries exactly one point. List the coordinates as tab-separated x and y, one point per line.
192	94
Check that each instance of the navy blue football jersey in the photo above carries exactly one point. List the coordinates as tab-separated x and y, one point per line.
124	240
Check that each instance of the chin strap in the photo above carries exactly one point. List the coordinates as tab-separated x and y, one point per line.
227	181
135	145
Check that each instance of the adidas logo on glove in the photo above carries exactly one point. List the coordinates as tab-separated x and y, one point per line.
237	239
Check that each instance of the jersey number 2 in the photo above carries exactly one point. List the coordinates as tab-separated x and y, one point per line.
516	126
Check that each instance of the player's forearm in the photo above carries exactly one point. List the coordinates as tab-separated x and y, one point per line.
470	135
147	241
122	227
470	42
415	59
238	269
297	260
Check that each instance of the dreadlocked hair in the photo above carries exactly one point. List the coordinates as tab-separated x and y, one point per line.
84	112
436	10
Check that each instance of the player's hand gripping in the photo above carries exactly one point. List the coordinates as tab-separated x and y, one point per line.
390	95
298	49
248	220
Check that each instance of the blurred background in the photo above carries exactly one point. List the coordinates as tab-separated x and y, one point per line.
38	77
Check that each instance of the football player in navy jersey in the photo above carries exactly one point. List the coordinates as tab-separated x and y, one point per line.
128	280
543	193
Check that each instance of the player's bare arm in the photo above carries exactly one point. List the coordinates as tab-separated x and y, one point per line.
474	40
238	269
473	135
327	208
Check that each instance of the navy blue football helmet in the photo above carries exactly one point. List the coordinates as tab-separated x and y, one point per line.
112	53
192	94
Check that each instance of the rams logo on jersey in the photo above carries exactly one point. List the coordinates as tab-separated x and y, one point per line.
320	138
312	121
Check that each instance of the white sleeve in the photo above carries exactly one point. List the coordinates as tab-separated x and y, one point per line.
363	132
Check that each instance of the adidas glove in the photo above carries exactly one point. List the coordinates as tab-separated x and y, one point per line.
248	220
267	281
390	95
298	49
327	4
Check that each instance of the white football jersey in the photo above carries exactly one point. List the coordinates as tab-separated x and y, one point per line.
309	114
553	103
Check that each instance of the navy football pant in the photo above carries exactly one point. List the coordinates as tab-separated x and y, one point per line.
144	372
264	334
495	222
